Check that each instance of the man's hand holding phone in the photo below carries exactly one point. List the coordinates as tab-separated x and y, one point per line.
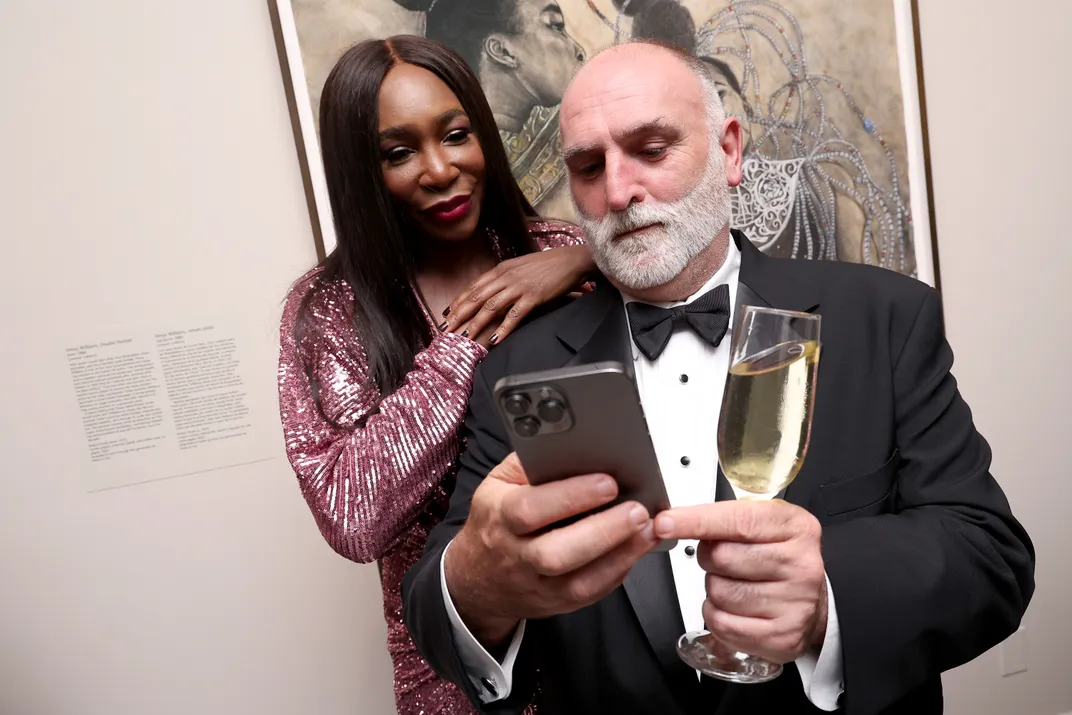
505	565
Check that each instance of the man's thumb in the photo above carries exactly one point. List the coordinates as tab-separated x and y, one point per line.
510	471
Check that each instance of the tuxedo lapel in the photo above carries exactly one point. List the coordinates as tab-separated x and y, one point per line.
650	588
770	282
595	329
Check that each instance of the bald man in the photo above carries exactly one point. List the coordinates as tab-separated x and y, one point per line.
892	557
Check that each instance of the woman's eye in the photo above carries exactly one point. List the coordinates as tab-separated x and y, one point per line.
396	155
459	135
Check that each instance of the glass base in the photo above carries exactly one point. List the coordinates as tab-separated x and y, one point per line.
704	653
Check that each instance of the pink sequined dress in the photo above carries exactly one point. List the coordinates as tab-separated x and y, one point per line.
373	480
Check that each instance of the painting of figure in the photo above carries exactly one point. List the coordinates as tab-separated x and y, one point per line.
828	93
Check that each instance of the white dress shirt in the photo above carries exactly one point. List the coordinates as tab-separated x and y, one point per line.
682	395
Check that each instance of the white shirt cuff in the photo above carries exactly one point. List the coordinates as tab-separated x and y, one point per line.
493	680
821	674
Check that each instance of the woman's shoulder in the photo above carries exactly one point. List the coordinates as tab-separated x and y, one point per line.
301	287
552	233
321	287
322	298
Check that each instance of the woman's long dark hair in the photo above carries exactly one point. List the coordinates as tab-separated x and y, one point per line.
376	248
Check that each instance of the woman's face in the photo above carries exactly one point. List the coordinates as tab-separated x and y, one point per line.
432	161
547	55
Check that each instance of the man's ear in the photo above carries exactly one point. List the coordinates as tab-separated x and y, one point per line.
733	145
498	50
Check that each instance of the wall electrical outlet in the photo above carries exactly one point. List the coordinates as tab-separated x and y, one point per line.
1014	653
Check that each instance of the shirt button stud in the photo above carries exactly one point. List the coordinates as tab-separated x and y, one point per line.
683	378
690	550
685	461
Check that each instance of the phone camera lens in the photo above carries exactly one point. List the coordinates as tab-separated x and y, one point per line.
551	410
517	404
527	426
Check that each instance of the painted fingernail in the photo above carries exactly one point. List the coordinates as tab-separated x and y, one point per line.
446	311
493	338
639	515
443	326
465	333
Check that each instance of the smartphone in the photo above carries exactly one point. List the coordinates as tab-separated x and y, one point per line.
583	419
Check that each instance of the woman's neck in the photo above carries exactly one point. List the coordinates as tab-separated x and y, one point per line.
446	268
446	258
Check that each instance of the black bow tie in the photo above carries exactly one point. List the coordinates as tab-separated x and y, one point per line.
708	316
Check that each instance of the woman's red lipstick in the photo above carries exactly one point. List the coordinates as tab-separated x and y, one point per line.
451	210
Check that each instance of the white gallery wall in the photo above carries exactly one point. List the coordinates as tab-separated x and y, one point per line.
1001	191
148	184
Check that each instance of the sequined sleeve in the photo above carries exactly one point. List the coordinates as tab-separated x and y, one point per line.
555	234
367	476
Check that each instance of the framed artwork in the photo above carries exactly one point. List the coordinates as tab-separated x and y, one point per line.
830	95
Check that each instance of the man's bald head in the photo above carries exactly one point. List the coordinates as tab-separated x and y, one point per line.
644	50
651	157
665	62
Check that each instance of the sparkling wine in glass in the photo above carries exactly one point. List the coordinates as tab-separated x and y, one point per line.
763	433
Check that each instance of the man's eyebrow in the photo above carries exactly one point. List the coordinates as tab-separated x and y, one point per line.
575	151
650	126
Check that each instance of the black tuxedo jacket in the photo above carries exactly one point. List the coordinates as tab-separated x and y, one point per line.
927	564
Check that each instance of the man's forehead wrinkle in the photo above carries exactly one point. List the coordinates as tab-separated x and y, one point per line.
630	99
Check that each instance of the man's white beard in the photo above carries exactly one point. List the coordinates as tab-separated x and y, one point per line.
659	254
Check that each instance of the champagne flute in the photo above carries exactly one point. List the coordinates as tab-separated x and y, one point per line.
763	433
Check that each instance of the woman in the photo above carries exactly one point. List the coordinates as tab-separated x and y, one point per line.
373	388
